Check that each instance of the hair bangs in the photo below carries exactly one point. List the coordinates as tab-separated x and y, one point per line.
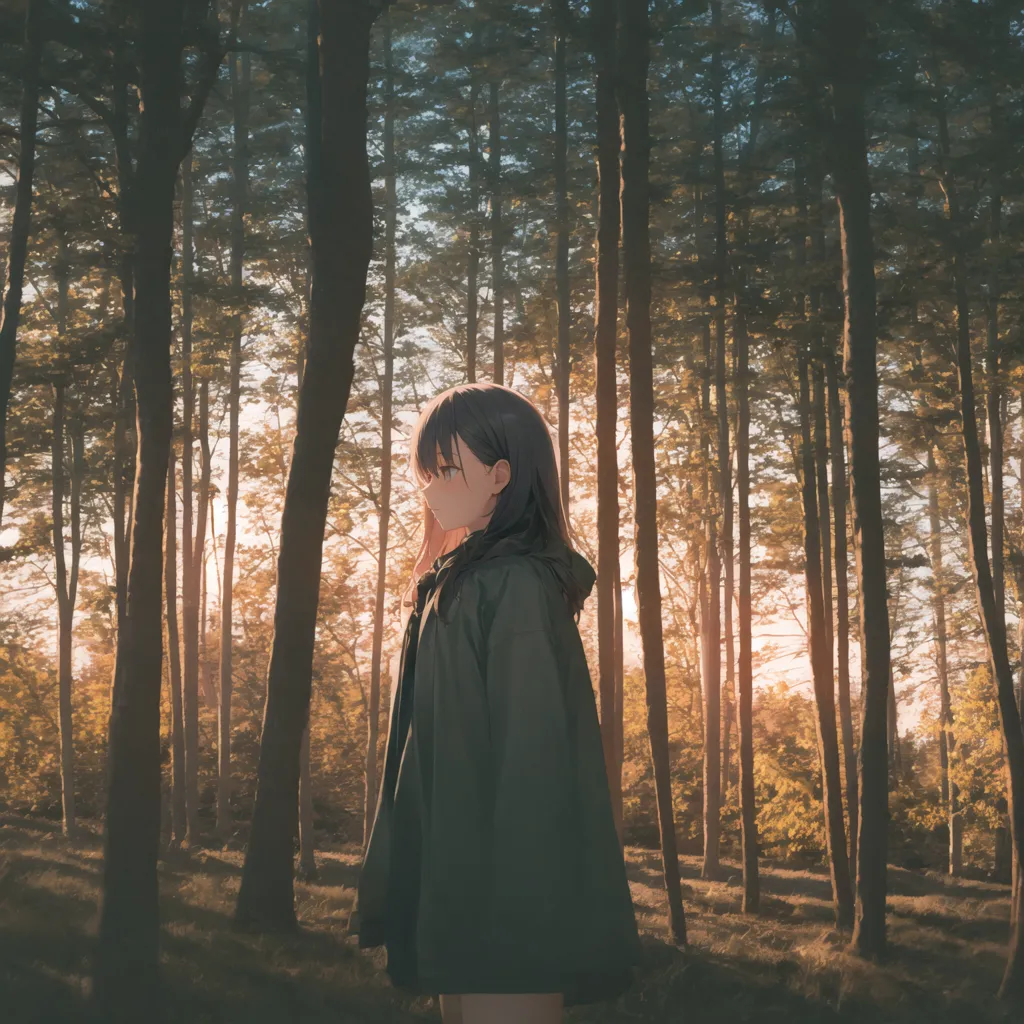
435	430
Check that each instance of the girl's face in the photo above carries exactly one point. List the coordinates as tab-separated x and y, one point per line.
465	492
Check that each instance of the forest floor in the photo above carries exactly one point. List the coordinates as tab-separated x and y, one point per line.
787	964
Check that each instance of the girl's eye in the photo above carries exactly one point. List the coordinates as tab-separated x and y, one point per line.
445	469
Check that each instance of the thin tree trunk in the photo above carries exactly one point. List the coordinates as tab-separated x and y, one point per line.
561	20
844	68
603	17
947	741
633	57
190	570
741	384
10	308
840	493
994	395
387	385
497	239
126	968
307	843
174	659
124	397
1012	985
821	435
65	600
721	398
748	811
473	256
240	78
710	634
821	442
341	235
828	741
893	731
620	681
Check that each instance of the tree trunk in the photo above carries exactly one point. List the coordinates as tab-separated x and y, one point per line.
748	811
1012	985
839	497
561	20
126	968
828	741
341	235
947	741
473	256
497	270
893	731
10	313
190	564
606	262
620	681
710	634
633	59
721	398
387	384
307	843
993	401
839	52
174	660
741	384
124	397
821	441
65	595
240	78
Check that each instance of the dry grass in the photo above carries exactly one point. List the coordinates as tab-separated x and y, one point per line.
786	964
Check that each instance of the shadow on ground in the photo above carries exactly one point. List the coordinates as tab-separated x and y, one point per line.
785	964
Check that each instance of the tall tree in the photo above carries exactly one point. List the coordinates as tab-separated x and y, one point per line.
745	680
191	564
10	309
606	264
994	624
126	969
840	494
947	740
562	291
497	236
633	60
710	632
386	396
240	79
341	238
174	655
741	343
840	43
824	694
725	545
473	252
65	577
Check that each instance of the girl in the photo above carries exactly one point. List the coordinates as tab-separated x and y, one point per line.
493	874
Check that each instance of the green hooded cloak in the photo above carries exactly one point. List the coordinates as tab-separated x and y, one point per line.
493	864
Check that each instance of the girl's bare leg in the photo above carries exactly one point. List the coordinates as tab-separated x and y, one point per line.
451	1009
486	1008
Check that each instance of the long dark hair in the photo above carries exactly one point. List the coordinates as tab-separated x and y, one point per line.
495	423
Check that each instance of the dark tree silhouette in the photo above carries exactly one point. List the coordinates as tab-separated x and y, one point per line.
636	259
127	962
10	310
603	28
341	238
